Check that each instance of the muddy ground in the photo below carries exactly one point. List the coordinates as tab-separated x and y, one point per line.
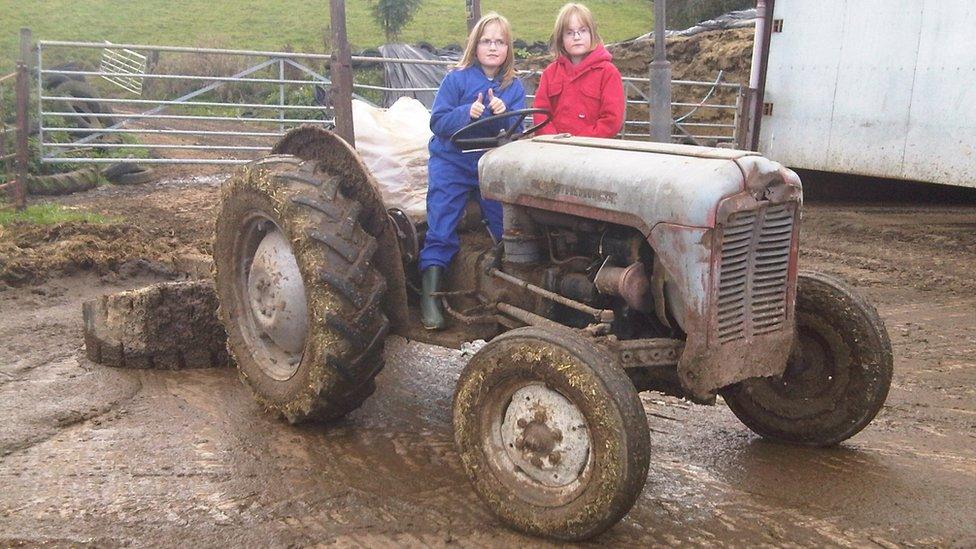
91	455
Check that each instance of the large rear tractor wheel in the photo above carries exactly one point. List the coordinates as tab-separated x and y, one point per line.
551	433
299	298
837	377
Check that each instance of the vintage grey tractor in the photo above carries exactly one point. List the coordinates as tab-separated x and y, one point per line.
625	266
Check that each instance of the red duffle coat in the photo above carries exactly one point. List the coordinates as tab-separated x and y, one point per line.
586	99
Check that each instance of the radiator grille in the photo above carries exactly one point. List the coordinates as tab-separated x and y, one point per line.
753	272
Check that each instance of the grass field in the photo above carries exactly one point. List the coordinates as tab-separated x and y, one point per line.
48	214
273	25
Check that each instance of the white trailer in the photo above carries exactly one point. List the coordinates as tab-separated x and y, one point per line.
884	88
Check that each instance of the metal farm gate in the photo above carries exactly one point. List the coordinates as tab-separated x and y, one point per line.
198	104
139	107
8	130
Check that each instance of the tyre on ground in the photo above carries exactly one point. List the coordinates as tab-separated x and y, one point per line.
51	81
63	183
837	377
113	171
551	433
86	103
299	296
136	176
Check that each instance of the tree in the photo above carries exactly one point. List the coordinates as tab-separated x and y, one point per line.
393	15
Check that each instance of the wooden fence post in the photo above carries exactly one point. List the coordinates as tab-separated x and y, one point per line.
23	125
341	72
473	9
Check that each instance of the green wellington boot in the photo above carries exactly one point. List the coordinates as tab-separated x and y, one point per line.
430	306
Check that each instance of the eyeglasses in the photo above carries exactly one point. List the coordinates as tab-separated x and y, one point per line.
573	33
488	42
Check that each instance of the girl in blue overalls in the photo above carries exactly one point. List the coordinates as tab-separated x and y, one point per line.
483	84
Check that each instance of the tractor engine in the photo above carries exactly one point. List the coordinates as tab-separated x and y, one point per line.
568	261
647	240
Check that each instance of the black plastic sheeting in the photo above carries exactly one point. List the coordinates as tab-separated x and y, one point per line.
401	75
732	20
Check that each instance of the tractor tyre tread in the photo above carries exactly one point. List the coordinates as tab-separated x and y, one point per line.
63	183
347	326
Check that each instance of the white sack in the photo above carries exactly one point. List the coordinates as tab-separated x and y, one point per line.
393	143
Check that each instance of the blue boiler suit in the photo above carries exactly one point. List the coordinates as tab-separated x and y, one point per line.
452	175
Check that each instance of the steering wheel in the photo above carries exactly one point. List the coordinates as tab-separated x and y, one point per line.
504	136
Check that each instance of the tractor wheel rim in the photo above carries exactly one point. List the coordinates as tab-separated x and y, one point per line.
275	300
545	437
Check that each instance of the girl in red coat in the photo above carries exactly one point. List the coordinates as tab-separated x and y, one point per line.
581	88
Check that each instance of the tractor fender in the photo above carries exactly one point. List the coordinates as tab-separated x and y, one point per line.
341	160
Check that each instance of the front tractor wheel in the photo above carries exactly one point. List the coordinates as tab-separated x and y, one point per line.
837	377
551	433
298	296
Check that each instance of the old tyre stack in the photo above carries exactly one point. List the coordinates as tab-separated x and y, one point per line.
85	103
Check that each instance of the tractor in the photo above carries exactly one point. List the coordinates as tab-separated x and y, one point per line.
625	266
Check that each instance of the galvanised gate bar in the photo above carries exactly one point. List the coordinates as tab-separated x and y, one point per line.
234	132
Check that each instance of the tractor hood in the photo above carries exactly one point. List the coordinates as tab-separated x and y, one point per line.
634	183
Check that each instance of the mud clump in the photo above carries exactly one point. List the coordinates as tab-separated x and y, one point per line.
169	326
699	57
29	254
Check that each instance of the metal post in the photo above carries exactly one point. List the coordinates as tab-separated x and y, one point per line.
473	9
23	98
341	68
281	94
3	133
757	76
40	107
660	80
740	119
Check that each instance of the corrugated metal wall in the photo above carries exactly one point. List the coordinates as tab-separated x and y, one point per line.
874	87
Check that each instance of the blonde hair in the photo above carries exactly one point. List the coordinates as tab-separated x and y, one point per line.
566	14
470	57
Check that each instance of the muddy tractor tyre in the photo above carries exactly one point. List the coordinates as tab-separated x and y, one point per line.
837	377
299	297
551	433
